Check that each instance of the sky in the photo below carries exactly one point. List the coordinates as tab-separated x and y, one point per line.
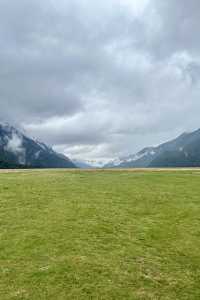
100	79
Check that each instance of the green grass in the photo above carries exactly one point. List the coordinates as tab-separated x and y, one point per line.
100	235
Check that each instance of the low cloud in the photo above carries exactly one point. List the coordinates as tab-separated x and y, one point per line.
15	146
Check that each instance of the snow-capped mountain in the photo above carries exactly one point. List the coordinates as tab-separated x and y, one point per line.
140	159
18	150
183	151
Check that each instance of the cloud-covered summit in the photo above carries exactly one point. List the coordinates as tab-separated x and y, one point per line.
100	79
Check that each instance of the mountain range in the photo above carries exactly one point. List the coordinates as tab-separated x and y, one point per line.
184	151
19	151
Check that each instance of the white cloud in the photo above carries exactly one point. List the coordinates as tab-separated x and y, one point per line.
14	145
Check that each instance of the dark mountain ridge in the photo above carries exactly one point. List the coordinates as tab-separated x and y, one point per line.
18	150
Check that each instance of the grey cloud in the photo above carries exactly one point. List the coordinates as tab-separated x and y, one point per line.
175	26
96	78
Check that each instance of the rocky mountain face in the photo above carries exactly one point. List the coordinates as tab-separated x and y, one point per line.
18	150
183	151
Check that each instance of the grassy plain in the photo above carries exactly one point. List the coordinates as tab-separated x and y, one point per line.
104	235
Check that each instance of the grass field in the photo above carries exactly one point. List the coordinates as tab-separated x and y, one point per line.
100	235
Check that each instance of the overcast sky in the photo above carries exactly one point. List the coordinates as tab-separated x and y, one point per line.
99	79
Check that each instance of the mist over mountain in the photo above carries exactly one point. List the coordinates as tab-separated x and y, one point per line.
184	151
18	150
82	164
